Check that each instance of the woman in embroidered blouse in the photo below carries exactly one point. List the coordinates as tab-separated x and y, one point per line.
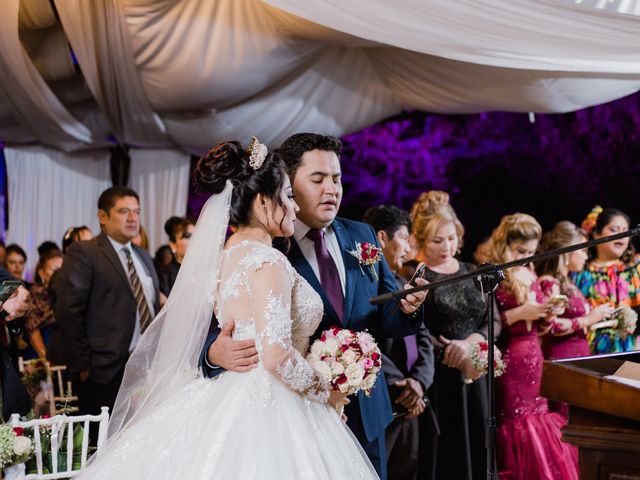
528	436
612	277
566	337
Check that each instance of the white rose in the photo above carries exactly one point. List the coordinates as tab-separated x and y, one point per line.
368	382
331	346
348	357
342	334
337	368
355	374
317	348
322	369
21	446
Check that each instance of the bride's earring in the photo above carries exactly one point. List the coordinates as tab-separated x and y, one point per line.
266	216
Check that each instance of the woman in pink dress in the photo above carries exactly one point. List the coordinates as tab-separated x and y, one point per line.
566	337
528	436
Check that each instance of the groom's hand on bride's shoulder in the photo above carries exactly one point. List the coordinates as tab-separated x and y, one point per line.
230	354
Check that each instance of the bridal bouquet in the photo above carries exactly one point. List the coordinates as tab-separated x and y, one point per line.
349	360
622	323
14	446
479	357
626	320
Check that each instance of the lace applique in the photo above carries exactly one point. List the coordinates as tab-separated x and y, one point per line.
278	328
231	288
261	256
244	330
260	389
294	371
297	373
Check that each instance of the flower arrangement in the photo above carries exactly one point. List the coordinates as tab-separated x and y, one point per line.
348	360
33	376
590	220
479	357
15	447
46	440
626	319
367	254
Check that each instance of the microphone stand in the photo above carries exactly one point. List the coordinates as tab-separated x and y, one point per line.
488	283
487	278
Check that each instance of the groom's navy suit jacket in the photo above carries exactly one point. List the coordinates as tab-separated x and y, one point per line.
374	412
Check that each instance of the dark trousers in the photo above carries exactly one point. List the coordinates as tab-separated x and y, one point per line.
402	442
92	396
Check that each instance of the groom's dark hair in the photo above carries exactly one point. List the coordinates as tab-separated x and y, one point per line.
294	147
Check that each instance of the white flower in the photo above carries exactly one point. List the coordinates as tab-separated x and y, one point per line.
337	368
22	446
323	369
368	382
331	346
342	334
355	374
367	343
317	348
348	357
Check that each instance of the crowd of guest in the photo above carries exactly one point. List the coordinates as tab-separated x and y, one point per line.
82	315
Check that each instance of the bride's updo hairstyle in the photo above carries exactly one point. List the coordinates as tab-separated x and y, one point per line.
229	161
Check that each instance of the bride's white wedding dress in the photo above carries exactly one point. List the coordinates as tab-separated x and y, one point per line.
270	423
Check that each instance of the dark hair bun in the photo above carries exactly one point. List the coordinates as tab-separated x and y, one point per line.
227	161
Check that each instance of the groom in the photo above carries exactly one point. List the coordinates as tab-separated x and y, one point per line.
320	253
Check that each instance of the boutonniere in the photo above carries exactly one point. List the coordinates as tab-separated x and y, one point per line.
367	254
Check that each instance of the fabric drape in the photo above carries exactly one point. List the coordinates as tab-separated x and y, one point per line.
161	179
50	191
190	73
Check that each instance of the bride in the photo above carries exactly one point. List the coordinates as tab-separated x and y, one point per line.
277	421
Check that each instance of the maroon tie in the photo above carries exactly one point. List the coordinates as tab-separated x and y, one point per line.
411	344
329	277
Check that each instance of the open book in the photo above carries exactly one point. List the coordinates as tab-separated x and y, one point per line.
628	373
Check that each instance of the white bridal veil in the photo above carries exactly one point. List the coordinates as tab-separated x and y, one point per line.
167	355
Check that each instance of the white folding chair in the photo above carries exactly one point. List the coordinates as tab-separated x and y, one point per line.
57	425
62	398
46	396
60	394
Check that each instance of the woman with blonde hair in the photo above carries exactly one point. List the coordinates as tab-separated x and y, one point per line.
528	437
456	317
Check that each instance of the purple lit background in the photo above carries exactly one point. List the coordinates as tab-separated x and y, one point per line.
497	163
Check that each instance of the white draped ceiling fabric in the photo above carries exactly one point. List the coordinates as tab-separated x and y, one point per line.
190	73
187	74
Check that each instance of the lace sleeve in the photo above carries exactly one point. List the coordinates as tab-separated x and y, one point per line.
270	287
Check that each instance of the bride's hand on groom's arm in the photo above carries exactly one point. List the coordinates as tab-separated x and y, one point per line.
230	354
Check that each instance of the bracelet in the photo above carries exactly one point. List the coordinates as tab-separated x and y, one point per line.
575	324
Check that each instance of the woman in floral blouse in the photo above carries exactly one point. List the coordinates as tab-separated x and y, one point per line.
612	276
